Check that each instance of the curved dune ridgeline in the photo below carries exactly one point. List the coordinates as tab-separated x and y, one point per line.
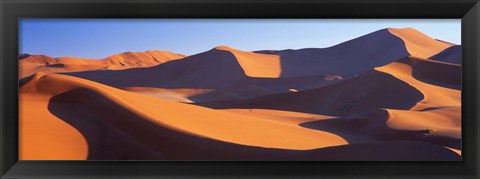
419	44
394	94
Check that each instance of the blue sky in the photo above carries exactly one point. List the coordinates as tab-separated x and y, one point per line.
99	38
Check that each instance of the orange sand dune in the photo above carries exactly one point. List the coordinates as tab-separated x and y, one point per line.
31	64
43	136
443	122
256	65
435	72
139	59
434	96
419	44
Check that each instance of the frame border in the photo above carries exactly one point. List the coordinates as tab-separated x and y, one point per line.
11	11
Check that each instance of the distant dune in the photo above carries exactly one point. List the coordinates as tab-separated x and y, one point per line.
393	94
31	64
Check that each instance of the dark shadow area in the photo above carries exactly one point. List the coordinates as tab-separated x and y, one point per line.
250	87
372	124
104	141
452	54
23	55
431	108
213	69
347	59
58	65
369	91
435	73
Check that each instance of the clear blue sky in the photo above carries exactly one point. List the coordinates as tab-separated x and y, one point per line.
99	38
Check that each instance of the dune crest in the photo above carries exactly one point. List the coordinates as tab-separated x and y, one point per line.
30	64
419	44
256	65
434	95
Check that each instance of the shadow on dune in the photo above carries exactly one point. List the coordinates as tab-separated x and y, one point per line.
114	132
56	65
435	73
368	91
214	66
249	87
373	125
217	70
452	54
104	141
346	59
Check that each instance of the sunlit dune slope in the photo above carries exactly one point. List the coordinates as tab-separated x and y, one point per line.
256	65
435	72
43	136
139	59
434	96
419	44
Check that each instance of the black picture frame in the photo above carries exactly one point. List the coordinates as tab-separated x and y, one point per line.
12	10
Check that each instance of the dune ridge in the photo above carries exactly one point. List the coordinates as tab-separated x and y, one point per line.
31	64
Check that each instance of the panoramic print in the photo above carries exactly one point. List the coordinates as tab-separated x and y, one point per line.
241	90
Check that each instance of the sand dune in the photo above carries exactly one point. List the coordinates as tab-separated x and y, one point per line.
394	94
435	72
43	136
31	64
256	65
